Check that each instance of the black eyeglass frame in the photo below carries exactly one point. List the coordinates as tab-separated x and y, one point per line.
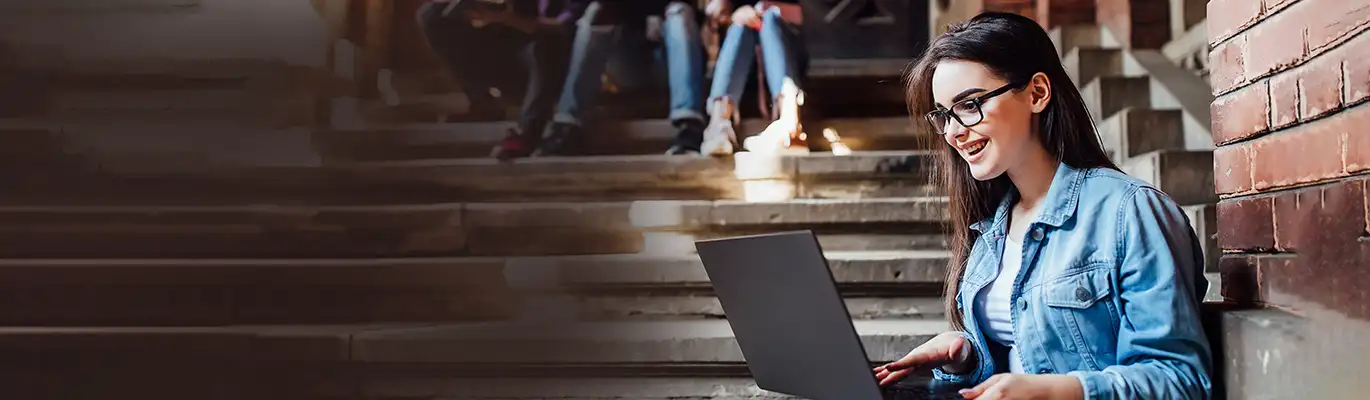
978	101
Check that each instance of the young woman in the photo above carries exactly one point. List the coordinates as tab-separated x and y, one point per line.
1068	279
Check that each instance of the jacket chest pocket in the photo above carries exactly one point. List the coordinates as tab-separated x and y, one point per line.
1081	306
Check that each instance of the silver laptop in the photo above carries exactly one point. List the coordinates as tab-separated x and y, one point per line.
793	328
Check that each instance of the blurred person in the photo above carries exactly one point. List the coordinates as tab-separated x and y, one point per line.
775	25
615	37
482	44
1068	278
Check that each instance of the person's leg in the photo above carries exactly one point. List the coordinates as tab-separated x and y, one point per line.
685	75
779	46
580	89
685	61
458	43
546	56
589	52
731	70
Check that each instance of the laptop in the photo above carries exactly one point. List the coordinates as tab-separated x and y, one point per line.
792	326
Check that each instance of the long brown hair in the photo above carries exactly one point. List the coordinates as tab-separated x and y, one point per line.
1014	48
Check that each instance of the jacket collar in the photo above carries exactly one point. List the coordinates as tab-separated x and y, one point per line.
1061	201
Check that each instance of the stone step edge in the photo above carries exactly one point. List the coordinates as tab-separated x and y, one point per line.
707	342
528	273
693	214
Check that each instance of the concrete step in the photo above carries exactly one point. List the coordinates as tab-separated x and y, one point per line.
653	346
861	174
443	229
476	139
853	270
1136	131
715	388
193	292
1068	37
1187	176
693	307
675	215
1084	64
1107	95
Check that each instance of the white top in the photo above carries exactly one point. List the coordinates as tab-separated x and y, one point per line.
994	303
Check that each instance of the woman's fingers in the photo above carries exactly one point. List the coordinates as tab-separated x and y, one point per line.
894	377
979	390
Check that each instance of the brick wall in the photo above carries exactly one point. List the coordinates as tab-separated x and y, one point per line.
1293	159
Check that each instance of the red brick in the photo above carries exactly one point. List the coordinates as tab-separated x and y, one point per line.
1331	262
1301	155
1228	65
1357	57
1357	146
1232	169
1285	206
1227	17
1239	279
1272	6
1313	220
1329	21
1241	114
1284	99
1246	224
1275	44
1320	86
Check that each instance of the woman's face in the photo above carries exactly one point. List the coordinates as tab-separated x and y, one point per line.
1005	133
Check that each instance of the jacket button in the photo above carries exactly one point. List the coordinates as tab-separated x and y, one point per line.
1037	234
1043	371
1081	294
1022	303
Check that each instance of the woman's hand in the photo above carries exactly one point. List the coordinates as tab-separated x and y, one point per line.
748	17
1021	386
949	350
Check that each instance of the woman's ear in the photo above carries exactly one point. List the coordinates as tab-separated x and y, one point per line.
1039	92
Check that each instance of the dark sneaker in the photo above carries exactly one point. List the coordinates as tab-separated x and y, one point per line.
689	135
561	141
515	145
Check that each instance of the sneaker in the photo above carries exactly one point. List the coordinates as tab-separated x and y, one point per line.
515	145
720	137
562	141
688	136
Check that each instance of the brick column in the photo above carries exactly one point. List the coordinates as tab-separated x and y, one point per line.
1143	24
1293	159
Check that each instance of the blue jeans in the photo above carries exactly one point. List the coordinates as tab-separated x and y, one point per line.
633	62
782	52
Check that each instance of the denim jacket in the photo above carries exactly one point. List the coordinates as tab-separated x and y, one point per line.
1109	291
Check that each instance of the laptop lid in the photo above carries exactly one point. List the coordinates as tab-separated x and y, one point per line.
789	320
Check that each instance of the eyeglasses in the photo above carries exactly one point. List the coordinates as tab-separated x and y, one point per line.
967	112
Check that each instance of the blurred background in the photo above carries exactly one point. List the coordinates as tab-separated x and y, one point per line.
395	199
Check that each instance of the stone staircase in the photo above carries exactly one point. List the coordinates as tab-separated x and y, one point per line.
399	263
1153	117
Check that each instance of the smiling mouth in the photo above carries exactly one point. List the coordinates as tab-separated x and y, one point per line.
976	148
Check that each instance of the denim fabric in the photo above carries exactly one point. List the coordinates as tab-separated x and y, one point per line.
1109	292
544	54
781	50
635	63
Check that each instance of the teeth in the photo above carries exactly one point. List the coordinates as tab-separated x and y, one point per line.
976	147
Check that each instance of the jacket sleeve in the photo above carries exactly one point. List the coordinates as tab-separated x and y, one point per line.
972	377
1162	350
